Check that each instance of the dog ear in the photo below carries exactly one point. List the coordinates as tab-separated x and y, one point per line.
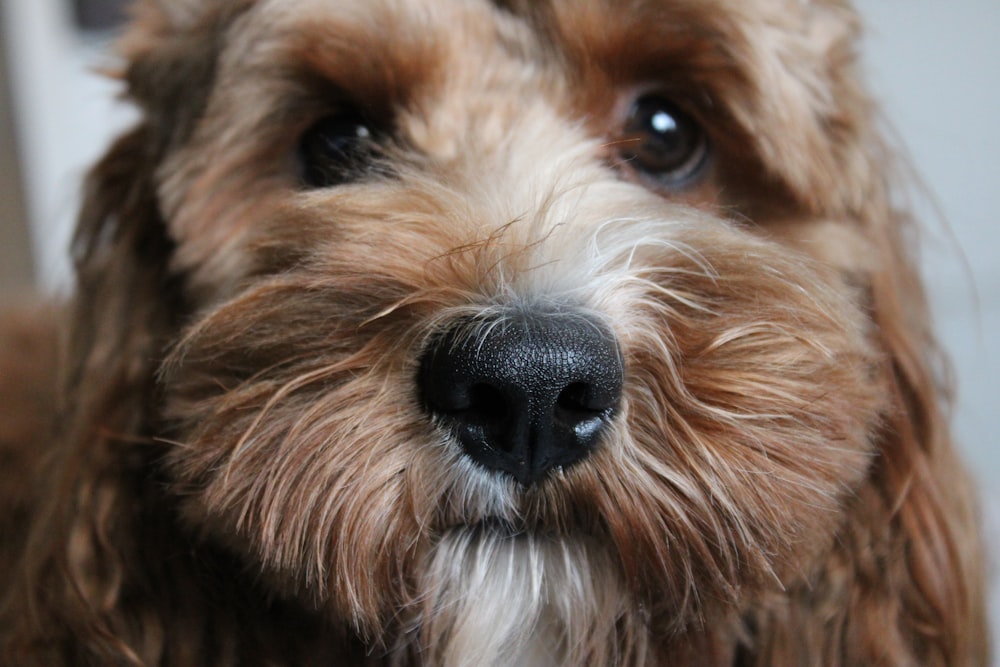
126	300
81	557
171	50
911	541
908	561
903	583
918	557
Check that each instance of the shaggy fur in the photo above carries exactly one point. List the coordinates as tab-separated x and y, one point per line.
226	460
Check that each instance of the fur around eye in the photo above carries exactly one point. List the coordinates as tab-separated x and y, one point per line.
336	149
662	143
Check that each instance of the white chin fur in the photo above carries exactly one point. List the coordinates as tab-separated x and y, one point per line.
491	599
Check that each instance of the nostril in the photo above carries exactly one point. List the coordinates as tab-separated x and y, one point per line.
574	404
486	416
478	403
478	413
488	405
581	408
585	398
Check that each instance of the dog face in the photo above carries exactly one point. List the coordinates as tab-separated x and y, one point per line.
519	329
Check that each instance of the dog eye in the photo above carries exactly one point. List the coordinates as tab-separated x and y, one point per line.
662	143
337	149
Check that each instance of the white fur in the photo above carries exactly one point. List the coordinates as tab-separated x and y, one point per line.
492	599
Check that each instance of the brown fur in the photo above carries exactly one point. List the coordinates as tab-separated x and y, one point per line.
233	467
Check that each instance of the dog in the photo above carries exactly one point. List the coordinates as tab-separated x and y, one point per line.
488	332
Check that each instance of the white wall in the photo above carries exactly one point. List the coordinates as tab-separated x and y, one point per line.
66	114
936	66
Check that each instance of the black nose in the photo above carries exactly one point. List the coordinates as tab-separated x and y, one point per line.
524	393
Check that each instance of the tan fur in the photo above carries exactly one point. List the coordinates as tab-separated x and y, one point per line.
234	467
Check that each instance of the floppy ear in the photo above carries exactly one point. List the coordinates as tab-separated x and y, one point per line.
919	575
904	582
171	51
76	558
81	563
127	299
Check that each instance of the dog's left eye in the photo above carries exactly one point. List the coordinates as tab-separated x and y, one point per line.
337	149
662	143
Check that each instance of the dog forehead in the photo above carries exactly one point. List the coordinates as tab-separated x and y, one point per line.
581	32
781	46
380	23
784	47
378	52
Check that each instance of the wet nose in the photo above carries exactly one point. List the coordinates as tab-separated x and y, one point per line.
524	393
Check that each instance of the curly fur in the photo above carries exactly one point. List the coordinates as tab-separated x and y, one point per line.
224	460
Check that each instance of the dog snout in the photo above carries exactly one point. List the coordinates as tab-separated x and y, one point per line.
524	393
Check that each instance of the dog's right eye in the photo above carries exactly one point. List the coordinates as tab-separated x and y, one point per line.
337	149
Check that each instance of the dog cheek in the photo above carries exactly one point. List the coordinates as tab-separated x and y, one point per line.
304	464
319	529
755	396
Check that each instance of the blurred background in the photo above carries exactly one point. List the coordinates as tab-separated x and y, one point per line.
934	65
